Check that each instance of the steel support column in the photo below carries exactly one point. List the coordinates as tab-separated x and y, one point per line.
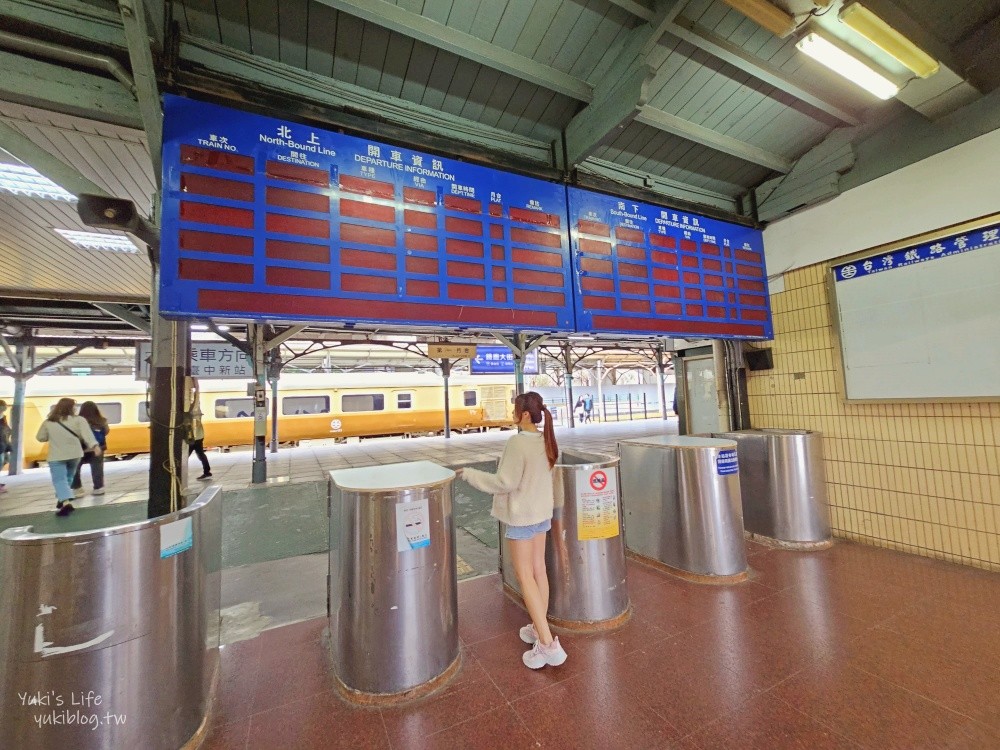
445	365
661	378
255	336
567	354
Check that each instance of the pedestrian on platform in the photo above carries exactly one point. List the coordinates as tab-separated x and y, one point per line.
6	440
523	500
100	427
196	435
578	408
68	437
588	407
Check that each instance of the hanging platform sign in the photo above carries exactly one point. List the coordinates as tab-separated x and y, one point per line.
271	220
645	269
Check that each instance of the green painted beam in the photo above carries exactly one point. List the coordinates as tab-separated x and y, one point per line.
248	73
605	117
671	190
707	137
636	8
65	176
144	71
739	58
46	86
464	45
71	18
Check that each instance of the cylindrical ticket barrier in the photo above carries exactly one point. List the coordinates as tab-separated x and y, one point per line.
393	605
783	487
681	497
585	550
110	638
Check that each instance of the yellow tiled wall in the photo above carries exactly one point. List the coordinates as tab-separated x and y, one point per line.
919	477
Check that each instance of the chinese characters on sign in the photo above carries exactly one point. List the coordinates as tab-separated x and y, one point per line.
499	360
209	360
942	248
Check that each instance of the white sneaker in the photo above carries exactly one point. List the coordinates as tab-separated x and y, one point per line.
529	635
540	655
98	492
79	493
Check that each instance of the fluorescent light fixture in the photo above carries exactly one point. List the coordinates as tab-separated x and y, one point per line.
30	183
887	39
847	65
114	243
761	12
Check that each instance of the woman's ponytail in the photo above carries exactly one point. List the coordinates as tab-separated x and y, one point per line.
549	433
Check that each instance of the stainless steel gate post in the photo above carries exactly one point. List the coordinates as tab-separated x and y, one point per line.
393	605
783	487
585	551
110	638
681	497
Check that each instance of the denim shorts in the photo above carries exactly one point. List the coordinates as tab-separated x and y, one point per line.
520	533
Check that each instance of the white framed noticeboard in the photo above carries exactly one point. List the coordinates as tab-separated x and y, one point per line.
918	320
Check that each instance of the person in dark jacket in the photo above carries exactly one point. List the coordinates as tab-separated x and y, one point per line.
6	440
99	426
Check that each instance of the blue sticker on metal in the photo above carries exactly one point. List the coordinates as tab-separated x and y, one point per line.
727	463
272	220
911	256
645	269
499	360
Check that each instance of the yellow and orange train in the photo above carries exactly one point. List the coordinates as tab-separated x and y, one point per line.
310	407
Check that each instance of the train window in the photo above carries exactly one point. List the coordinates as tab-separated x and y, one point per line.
362	402
111	412
305	405
404	400
143	411
470	398
234	408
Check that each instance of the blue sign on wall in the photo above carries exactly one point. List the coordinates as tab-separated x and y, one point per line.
499	360
909	256
642	268
271	220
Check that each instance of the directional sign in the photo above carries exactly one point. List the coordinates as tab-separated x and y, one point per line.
451	351
499	360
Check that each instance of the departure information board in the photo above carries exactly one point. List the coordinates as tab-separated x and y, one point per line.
645	269
272	220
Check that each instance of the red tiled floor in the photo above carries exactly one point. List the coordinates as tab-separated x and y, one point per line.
846	647
933	672
766	722
869	710
582	712
317	721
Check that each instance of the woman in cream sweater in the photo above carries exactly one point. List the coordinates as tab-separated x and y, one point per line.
67	435
523	500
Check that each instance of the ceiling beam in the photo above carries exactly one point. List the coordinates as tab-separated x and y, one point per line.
724	50
45	85
636	8
677	193
125	315
707	137
223	71
68	178
464	45
624	88
144	72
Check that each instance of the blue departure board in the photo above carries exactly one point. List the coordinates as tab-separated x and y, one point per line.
271	220
645	269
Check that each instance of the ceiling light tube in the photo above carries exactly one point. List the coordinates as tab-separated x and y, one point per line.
764	14
29	183
115	243
887	39
847	65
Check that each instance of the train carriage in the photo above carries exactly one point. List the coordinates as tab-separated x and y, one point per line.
310	407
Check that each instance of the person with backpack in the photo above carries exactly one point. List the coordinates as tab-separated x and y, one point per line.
99	426
68	437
